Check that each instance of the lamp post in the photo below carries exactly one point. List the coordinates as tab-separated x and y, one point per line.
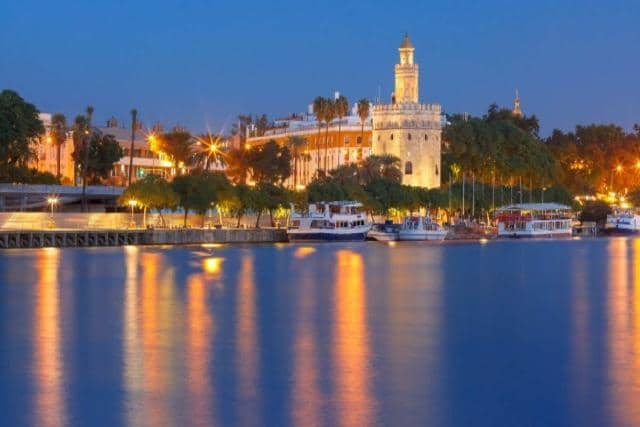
132	222
52	202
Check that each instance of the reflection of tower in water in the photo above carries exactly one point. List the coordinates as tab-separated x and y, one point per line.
353	392
48	362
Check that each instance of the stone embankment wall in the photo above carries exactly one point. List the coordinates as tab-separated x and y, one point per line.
28	239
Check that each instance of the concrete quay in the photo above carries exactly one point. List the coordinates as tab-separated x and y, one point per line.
30	239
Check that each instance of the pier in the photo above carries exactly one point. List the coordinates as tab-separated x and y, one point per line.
30	239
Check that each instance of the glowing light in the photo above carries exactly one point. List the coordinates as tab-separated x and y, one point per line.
300	187
484	241
303	251
213	265
52	200
211	245
132	202
392	243
619	168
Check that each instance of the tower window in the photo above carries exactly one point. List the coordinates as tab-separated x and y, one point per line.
409	136
359	139
437	169
392	137
426	138
408	168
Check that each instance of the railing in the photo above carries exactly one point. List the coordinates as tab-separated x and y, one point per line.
93	190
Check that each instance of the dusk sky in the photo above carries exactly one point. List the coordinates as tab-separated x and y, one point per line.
200	63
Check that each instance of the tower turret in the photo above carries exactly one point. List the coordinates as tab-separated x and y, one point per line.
406	74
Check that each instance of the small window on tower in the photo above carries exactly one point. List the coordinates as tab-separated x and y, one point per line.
437	169
425	137
359	139
408	168
392	137
409	137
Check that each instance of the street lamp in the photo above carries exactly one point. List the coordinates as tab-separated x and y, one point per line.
52	202
132	222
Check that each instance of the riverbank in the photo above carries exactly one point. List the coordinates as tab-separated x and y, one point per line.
29	239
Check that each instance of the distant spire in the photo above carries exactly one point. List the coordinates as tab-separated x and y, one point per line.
406	43
516	105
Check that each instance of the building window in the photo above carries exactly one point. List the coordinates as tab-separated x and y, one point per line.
346	140
409	136
408	168
437	169
359	139
378	138
392	137
426	138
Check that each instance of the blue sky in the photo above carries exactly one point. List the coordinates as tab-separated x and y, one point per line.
200	63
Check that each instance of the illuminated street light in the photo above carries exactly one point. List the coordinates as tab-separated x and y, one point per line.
132	203
52	201
619	168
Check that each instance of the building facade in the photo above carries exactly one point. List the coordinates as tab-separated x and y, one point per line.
408	129
347	140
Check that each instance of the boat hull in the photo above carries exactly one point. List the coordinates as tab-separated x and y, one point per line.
422	236
319	236
382	237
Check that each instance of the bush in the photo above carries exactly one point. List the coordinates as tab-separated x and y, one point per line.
16	175
595	211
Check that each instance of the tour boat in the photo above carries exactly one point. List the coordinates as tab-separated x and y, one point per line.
386	232
623	221
534	220
421	228
341	220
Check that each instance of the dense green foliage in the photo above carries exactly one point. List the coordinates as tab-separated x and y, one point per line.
104	152
13	174
595	211
200	191
20	128
150	192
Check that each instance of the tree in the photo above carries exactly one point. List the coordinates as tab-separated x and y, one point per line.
58	133
341	110
151	192
178	146
329	115
97	156
295	144
238	165
272	197
199	191
20	127
262	124
241	202
319	110
210	149
239	128
134	124
270	163
595	211
363	112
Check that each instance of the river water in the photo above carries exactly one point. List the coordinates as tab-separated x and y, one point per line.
505	333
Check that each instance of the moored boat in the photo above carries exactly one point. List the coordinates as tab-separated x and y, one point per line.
623	222
534	220
386	232
329	221
421	228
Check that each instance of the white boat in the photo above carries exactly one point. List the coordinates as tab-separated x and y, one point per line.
625	222
340	220
386	232
421	228
534	220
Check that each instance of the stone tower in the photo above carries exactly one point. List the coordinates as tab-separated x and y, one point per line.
407	129
516	105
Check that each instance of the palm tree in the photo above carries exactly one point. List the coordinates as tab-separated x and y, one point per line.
329	115
341	110
58	136
87	138
295	143
319	109
134	124
238	165
363	112
210	149
178	146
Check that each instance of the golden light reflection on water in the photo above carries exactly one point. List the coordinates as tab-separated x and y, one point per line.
351	342
199	342
152	325
247	351
303	251
47	362
623	304
306	395
213	265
